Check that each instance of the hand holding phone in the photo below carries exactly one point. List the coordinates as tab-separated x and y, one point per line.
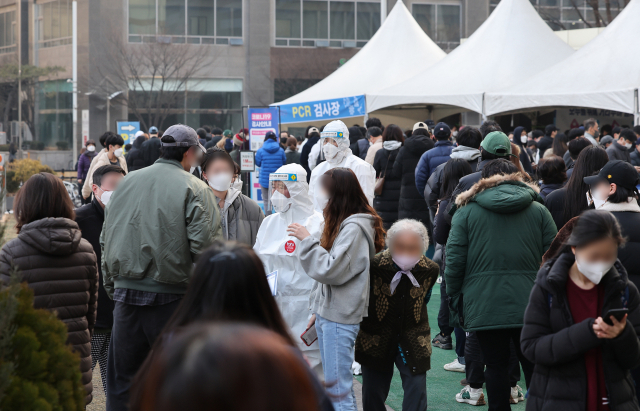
310	335
617	313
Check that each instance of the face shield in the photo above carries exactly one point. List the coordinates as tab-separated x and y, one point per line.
290	192
334	141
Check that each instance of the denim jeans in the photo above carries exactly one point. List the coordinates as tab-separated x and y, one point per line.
336	343
265	200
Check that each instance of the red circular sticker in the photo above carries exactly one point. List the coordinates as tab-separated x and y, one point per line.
289	246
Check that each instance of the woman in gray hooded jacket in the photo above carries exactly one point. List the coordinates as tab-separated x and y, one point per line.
339	261
241	216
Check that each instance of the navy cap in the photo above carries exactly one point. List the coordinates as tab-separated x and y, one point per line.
441	130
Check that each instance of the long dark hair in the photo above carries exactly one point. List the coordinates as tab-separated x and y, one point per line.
346	198
228	366
453	171
593	225
590	160
43	195
560	145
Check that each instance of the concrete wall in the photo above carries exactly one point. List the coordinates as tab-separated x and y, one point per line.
56	159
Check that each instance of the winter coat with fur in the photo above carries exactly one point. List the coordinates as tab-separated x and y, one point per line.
499	232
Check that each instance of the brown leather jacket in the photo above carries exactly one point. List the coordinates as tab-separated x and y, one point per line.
60	267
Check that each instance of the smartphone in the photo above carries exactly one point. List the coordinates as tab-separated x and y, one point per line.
618	313
310	335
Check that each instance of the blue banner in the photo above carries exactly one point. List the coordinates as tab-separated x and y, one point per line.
323	110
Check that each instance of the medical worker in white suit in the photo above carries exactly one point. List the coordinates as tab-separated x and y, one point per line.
334	141
279	251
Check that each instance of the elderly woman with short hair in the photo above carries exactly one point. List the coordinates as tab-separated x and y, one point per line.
397	327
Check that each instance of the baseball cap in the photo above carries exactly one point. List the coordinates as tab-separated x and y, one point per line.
497	143
138	134
227	133
441	130
153	130
184	136
616	172
312	130
420	124
606	140
270	135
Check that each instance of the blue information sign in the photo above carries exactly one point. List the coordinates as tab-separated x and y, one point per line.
127	130
323	110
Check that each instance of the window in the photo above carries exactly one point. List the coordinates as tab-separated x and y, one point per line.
54	23
186	21
54	105
441	22
8	32
326	23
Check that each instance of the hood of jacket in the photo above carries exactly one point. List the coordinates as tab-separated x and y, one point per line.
504	194
271	146
516	137
465	153
56	236
418	144
391	145
365	221
137	143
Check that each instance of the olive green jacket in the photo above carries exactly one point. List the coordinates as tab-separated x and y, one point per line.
156	222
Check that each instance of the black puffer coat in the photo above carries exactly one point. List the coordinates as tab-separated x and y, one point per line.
557	346
135	159
386	204
628	216
411	204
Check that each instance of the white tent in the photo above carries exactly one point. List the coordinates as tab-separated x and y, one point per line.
511	45
398	50
603	74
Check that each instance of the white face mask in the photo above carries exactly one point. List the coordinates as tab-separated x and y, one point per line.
91	149
237	184
598	201
323	199
628	145
332	153
118	152
594	271
454	133
405	262
220	181
280	203
523	139
104	198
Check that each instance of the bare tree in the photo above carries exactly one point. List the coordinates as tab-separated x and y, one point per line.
31	76
154	74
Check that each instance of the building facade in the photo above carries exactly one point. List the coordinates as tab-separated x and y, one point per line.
199	61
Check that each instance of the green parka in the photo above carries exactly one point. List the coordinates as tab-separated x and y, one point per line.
156	222
499	232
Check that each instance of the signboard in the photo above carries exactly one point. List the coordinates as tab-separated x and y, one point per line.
85	127
261	121
127	130
255	190
247	161
567	118
323	110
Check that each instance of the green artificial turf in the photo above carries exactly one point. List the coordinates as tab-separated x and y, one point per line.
442	386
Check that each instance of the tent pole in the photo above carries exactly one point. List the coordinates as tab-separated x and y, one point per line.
636	111
383	11
484	116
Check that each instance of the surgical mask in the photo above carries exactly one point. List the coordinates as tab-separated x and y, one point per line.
237	184
455	134
104	198
598	201
91	148
322	198
331	153
221	181
594	271
523	139
405	262
280	203
628	145
118	152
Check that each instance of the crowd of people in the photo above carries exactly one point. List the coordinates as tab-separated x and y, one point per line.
186	292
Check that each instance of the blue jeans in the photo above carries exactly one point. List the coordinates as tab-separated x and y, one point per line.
336	343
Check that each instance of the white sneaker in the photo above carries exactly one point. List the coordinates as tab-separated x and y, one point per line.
455	366
516	395
439	280
356	368
471	396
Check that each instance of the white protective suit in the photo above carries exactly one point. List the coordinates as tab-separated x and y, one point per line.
364	171
279	251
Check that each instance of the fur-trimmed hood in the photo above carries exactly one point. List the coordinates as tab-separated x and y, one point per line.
501	193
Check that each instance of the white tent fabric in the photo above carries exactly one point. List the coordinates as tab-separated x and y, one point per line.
602	74
511	45
370	69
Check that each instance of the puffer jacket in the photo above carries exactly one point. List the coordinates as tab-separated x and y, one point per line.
153	249
628	216
556	345
386	204
499	232
241	218
411	203
269	158
135	159
430	161
151	150
634	156
84	163
381	332
60	267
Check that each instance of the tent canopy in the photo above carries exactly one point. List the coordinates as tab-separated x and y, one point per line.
602	74
511	45
369	70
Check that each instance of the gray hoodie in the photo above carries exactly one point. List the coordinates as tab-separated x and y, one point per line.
341	291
